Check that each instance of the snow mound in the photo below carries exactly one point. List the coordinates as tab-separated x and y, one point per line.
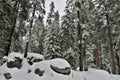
94	74
115	77
16	67
35	55
60	63
13	55
43	70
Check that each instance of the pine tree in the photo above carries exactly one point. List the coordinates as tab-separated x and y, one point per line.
38	30
10	16
51	45
20	31
68	33
37	6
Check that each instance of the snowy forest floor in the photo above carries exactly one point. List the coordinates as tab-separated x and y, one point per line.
34	67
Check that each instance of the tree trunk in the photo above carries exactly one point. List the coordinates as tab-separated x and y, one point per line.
80	16
111	44
26	50
97	56
31	25
80	43
85	64
13	24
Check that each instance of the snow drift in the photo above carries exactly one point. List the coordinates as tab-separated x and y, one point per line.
34	67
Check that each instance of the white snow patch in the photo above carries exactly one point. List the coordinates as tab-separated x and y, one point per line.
49	73
59	63
94	74
13	55
35	55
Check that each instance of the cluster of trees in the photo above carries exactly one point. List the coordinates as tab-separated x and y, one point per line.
87	35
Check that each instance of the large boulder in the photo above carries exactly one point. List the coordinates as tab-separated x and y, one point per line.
52	67
15	60
60	66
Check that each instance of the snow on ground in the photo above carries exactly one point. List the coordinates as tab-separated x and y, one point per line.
55	69
13	55
35	55
94	74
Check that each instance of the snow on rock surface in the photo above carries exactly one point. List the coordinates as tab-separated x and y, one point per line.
13	55
35	55
54	69
59	63
43	71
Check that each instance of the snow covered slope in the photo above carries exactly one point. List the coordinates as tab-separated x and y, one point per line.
55	69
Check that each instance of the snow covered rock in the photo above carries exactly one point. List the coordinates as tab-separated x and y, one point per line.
55	69
39	72
15	60
60	66
4	60
34	57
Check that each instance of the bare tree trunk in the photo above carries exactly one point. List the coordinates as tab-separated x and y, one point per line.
13	24
117	59
31	25
111	44
80	42
85	64
118	62
97	56
80	16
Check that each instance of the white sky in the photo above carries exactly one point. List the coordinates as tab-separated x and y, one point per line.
59	5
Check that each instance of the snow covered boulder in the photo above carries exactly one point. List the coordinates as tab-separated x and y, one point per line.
57	66
96	74
4	60
15	60
60	66
34	57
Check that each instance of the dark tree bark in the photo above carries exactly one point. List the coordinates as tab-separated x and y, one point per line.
80	42
110	43
80	16
31	25
13	25
97	55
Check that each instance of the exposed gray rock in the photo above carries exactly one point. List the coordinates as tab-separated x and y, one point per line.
16	63
7	75
65	71
39	72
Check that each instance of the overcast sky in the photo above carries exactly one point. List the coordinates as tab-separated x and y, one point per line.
59	5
